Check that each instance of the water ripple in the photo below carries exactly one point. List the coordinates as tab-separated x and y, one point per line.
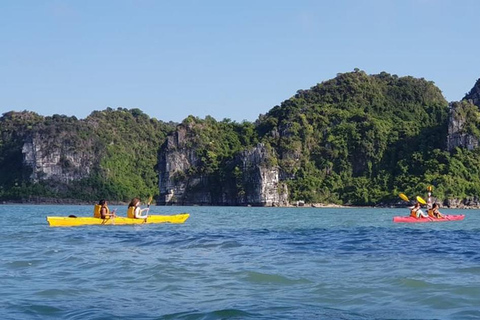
241	263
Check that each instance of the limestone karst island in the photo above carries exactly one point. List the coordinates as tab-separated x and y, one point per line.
357	139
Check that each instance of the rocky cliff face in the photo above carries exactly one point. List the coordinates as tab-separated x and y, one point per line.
474	94
467	203
181	184
262	179
461	114
175	160
457	135
55	158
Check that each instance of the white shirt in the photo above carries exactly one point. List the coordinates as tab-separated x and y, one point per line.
139	211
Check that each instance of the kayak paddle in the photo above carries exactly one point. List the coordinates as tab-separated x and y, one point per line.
420	199
148	206
113	215
149	201
403	196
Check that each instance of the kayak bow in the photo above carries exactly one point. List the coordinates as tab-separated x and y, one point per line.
80	221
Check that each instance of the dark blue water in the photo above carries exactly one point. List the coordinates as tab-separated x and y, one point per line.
240	263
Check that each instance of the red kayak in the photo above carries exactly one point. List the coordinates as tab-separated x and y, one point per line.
410	219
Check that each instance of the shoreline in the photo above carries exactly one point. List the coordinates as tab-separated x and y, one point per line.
303	205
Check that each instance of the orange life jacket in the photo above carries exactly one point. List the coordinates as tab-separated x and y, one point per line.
413	212
97	211
131	212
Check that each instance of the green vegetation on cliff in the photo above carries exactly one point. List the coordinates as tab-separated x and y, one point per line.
216	145
120	146
356	139
130	141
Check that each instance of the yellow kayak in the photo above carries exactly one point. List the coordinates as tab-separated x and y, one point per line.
80	221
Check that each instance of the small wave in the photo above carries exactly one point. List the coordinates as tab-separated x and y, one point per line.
270	313
472	270
39	310
22	263
53	293
257	277
213	315
472	313
204	240
413	283
90	313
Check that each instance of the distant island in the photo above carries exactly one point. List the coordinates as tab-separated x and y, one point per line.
356	139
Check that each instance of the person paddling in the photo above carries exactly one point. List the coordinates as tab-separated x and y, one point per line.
429	198
416	211
102	211
135	212
434	212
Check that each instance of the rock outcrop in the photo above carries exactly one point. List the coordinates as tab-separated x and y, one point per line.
180	183
464	115
474	94
467	203
458	120
55	158
262	179
175	160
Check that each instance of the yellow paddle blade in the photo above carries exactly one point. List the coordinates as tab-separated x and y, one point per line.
403	196
150	199
420	199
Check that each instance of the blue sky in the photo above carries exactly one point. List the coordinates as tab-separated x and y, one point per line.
226	59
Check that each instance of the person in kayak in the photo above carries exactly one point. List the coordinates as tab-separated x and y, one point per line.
102	211
135	212
434	212
416	211
429	200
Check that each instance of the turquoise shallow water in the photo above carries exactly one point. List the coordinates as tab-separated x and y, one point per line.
240	263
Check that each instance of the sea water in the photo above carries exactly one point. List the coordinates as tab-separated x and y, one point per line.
240	263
